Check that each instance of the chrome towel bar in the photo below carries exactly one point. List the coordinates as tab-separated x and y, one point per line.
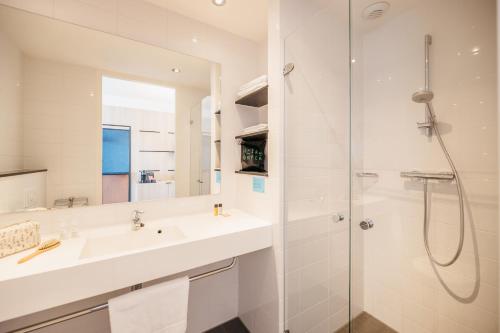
104	306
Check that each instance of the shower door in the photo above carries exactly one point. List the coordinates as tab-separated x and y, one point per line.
378	145
316	94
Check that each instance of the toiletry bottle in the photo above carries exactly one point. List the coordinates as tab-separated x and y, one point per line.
216	210
220	209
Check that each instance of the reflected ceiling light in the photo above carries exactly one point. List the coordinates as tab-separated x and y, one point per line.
475	50
176	70
219	2
194	40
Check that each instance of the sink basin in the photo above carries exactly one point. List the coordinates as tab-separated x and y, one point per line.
130	241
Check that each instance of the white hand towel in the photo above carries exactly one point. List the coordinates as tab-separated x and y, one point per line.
261	79
161	308
255	128
250	90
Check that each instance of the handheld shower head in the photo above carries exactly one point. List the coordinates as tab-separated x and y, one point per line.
423	96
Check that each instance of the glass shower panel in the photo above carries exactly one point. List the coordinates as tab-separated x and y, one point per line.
316	94
395	130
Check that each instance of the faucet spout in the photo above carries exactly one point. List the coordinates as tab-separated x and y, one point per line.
136	220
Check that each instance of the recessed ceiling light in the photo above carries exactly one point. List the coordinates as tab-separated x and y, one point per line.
219	2
176	70
194	40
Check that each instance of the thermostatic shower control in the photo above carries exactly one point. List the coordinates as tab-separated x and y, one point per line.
366	224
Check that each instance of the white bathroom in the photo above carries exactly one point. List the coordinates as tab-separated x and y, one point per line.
263	166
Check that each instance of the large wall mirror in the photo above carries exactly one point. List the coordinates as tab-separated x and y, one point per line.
89	118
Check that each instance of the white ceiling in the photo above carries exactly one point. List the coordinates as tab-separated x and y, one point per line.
45	38
246	18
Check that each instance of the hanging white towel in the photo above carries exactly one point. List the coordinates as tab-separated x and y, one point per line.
161	308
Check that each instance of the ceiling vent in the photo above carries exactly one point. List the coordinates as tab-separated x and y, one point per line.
376	10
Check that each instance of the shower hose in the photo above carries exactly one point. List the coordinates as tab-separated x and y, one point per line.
460	200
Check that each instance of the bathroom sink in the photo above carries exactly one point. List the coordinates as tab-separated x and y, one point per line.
130	241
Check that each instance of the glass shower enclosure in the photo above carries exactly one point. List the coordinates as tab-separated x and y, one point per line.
391	188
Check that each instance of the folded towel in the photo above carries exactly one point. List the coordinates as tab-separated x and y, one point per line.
261	79
161	308
255	128
251	89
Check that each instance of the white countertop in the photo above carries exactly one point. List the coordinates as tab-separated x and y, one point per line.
60	276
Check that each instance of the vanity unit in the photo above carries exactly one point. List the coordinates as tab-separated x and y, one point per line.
102	260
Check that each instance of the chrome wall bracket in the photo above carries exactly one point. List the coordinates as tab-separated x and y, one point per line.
288	68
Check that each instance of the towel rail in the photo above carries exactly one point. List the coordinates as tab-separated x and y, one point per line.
104	306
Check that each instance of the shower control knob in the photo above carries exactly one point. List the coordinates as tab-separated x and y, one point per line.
366	224
338	217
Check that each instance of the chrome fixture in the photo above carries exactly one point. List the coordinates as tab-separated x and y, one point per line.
288	68
428	175
136	220
104	306
367	174
339	217
425	96
366	224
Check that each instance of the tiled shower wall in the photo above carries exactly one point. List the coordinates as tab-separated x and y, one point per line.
401	287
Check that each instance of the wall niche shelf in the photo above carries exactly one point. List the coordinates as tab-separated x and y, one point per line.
256	99
255	136
253	173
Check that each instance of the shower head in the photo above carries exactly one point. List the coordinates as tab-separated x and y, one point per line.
423	96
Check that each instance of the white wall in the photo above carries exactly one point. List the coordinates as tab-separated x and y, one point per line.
11	131
401	287
62	132
144	22
186	100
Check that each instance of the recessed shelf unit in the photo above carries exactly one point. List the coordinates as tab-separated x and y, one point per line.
256	99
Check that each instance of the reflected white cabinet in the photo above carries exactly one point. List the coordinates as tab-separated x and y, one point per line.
153	191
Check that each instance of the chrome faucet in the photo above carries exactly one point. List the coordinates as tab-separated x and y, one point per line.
136	220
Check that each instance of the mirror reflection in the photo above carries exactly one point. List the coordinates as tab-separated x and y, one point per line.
90	118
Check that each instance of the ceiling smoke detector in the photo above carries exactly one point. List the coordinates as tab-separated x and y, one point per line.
376	10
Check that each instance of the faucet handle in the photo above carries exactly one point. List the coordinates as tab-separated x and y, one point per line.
137	213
